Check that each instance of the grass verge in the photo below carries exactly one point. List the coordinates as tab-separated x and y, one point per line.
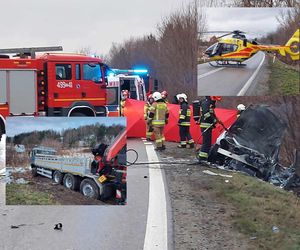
22	194
284	79
258	207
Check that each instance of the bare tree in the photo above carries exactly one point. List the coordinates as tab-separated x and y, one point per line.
249	3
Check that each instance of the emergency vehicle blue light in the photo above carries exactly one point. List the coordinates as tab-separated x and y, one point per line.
141	71
111	74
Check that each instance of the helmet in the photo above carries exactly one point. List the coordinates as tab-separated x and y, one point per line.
241	107
156	96
182	95
216	98
164	94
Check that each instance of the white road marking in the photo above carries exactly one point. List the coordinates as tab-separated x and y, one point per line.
250	80
148	143
209	73
156	236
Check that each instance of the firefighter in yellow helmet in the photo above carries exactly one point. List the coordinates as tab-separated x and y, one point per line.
124	96
149	128
184	122
158	115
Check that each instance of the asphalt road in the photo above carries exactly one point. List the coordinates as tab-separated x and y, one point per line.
91	227
224	81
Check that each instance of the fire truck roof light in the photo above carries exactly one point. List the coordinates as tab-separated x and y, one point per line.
140	71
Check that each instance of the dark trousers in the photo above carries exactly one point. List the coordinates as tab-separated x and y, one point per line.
205	148
184	132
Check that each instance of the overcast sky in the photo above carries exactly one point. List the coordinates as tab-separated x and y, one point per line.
76	23
18	125
253	20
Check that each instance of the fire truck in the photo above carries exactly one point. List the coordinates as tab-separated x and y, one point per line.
137	81
51	84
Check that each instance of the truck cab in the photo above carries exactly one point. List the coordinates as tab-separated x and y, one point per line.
52	84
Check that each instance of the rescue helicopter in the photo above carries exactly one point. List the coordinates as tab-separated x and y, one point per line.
233	51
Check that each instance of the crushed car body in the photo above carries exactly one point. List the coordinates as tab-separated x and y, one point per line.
252	145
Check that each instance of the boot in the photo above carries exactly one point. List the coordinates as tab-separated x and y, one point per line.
163	147
191	145
181	146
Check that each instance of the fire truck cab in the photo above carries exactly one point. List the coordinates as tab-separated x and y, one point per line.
51	84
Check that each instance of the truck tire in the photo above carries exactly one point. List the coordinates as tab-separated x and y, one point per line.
89	189
34	171
71	181
58	177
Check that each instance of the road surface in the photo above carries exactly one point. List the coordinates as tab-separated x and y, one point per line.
133	226
224	81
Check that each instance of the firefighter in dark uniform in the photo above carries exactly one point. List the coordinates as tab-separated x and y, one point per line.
184	122
158	115
241	108
207	122
149	128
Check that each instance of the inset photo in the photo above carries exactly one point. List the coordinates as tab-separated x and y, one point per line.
248	51
65	161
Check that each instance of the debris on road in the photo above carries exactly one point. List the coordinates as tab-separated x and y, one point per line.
58	226
213	173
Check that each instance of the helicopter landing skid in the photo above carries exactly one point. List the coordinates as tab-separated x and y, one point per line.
227	64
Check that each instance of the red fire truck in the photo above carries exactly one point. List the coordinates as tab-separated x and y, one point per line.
51	84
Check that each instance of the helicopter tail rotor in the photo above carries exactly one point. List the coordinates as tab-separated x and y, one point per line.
293	45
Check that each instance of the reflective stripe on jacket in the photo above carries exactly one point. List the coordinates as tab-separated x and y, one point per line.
160	111
184	114
146	109
208	117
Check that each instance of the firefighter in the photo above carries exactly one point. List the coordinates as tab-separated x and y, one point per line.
149	128
164	96
184	122
207	121
124	96
158	115
241	108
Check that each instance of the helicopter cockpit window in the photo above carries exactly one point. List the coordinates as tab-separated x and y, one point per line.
229	48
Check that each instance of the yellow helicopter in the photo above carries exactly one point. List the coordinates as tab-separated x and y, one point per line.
233	51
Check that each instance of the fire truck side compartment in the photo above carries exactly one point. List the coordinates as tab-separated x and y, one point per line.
19	83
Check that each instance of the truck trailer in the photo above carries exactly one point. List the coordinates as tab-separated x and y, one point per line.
100	178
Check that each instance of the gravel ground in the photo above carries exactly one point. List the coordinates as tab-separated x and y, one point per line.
201	220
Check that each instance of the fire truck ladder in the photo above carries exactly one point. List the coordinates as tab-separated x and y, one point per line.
24	52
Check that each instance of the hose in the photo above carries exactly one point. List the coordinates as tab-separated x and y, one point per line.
130	163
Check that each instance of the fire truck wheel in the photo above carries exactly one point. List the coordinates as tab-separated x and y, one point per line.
58	177
89	189
70	181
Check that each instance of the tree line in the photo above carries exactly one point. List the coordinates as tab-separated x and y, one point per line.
88	135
